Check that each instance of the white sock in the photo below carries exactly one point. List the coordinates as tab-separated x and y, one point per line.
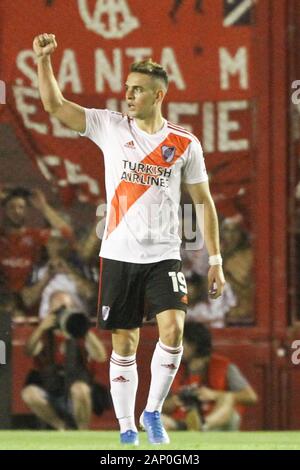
164	366
123	387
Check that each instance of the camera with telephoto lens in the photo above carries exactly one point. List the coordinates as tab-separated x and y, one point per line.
189	396
72	322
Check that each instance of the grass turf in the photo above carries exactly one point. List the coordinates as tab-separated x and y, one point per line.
109	440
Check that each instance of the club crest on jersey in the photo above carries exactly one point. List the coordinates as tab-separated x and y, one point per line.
168	153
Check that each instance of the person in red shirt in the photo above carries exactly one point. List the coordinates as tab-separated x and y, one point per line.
20	245
209	391
62	388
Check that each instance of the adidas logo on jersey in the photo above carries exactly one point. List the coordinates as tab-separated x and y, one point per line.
130	145
120	379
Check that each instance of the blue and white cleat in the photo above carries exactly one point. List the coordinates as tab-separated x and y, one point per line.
151	423
130	438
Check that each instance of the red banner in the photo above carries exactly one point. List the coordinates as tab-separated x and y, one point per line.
206	47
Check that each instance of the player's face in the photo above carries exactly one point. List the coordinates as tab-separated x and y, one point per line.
15	211
142	95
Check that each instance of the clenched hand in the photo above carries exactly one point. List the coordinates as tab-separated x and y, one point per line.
44	44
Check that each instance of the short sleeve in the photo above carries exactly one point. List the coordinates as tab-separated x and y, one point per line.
97	124
194	170
235	379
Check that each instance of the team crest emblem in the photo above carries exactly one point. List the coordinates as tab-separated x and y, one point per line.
111	19
168	153
105	312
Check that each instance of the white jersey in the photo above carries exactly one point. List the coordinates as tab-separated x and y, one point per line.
143	173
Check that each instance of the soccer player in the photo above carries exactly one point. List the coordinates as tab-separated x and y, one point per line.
146	159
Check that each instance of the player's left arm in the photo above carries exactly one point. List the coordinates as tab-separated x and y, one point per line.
200	194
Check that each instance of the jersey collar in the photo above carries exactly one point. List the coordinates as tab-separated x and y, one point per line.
163	131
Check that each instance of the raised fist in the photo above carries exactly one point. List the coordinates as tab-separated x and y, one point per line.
44	44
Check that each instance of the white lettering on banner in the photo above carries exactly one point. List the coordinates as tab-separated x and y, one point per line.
226	126
23	62
138	53
59	130
45	164
208	135
107	69
69	73
74	175
115	105
215	121
212	126
111	19
2	92
209	127
26	109
215	116
113	73
175	110
105	72
295	95
296	354
169	62
237	65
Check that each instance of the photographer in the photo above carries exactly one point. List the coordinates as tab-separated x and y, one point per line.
61	390
209	392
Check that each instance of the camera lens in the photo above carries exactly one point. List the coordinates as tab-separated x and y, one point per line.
72	322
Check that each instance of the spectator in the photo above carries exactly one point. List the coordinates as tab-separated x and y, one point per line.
209	391
237	264
61	390
20	245
61	270
202	308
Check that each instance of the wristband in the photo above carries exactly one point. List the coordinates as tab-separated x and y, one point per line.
215	260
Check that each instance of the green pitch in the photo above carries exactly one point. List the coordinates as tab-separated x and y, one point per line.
109	440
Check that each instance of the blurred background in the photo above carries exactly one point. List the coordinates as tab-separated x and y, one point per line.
231	65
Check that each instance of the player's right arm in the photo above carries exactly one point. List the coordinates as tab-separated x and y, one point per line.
70	114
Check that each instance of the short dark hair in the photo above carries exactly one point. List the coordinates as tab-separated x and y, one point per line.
198	335
19	192
148	67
